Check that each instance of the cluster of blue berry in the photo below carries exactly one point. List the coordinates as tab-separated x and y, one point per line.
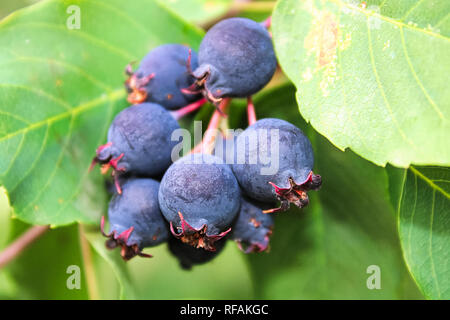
201	200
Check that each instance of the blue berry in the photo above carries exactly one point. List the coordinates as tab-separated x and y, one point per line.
188	256
135	218
291	163
236	59
139	141
199	197
161	75
252	228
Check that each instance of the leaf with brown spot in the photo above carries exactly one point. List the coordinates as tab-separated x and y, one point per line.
372	77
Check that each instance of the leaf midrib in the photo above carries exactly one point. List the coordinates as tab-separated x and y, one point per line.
429	182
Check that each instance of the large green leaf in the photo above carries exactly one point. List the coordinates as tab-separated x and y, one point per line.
372	77
324	250
198	11
60	89
424	227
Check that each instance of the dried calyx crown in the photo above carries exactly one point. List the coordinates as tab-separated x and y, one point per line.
295	193
200	84
107	161
116	239
197	238
136	85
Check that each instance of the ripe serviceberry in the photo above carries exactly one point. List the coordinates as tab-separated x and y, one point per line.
275	161
236	59
139	141
135	219
161	75
200	197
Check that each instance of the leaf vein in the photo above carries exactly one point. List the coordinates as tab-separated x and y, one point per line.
103	44
392	21
344	93
438	23
56	166
33	164
383	94
16	153
64	64
429	181
411	224
419	83
86	172
413	7
120	13
38	92
9	114
430	248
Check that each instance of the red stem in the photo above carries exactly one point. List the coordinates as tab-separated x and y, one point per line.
180	113
20	244
251	115
210	134
268	22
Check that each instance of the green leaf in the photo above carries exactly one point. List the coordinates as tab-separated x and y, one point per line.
371	77
114	260
323	251
60	90
198	11
41	271
208	12
424	227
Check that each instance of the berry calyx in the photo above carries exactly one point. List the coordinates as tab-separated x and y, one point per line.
199	197
295	193
275	161
161	76
198	238
139	142
136	86
127	251
135	219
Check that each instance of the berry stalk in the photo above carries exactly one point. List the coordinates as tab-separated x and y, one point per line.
207	144
267	23
251	114
20	244
180	113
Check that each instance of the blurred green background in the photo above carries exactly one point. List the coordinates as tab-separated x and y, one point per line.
6	7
